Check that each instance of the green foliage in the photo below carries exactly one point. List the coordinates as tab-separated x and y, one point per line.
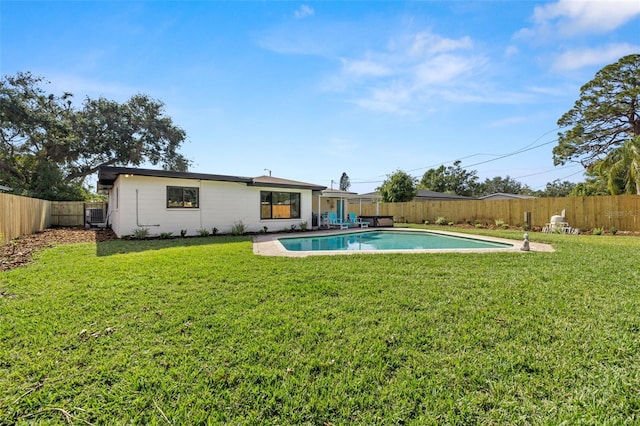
499	222
203	232
265	229
183	233
304	226
166	235
214	231
202	331
505	185
440	221
613	230
556	188
140	233
479	226
49	146
238	228
452	179
398	187
621	168
597	231
603	120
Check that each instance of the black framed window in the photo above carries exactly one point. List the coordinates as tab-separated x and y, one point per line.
182	197
279	205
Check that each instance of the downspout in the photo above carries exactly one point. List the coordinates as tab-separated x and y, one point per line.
137	217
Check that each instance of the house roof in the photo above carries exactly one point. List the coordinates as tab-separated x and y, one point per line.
504	196
107	175
433	195
423	194
338	193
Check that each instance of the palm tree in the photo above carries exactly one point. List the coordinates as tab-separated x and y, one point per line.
621	168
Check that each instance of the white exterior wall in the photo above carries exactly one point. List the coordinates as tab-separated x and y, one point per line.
222	205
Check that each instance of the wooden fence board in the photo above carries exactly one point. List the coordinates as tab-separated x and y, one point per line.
22	216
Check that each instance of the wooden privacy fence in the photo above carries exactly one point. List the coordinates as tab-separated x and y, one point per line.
620	211
22	216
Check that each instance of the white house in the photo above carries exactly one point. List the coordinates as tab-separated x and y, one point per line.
169	201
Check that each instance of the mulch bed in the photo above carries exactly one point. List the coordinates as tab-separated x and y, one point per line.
19	251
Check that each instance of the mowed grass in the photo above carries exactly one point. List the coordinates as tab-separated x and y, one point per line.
196	331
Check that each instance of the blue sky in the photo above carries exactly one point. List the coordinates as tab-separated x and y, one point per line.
309	90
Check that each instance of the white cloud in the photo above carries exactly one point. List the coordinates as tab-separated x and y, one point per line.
572	17
426	43
575	59
303	11
364	68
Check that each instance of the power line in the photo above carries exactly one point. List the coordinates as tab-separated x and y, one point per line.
525	148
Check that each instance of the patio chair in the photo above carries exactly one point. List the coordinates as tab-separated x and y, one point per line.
335	223
353	220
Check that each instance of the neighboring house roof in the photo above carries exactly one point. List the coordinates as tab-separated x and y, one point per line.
338	193
505	196
107	176
421	195
424	195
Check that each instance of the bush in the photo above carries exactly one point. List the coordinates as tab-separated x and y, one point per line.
441	221
214	231
238	228
203	232
166	235
597	231
183	233
140	233
478	225
303	226
613	230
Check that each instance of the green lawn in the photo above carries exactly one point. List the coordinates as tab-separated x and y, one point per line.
192	331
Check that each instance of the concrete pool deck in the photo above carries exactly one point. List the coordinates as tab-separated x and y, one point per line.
268	244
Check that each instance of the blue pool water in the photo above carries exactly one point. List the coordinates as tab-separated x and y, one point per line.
386	240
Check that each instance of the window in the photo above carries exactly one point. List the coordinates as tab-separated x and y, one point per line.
279	205
183	197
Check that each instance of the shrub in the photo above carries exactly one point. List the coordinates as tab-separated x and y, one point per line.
264	229
140	233
597	231
426	222
214	231
183	233
613	230
505	226
303	226
203	232
238	228
451	223
293	227
166	235
479	225
499	223
441	221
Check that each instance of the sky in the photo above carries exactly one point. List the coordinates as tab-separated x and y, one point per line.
309	90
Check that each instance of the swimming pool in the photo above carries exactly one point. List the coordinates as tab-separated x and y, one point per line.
387	240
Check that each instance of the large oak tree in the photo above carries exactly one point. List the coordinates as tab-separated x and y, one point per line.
48	146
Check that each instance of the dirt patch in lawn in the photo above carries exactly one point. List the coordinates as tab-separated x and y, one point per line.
19	251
